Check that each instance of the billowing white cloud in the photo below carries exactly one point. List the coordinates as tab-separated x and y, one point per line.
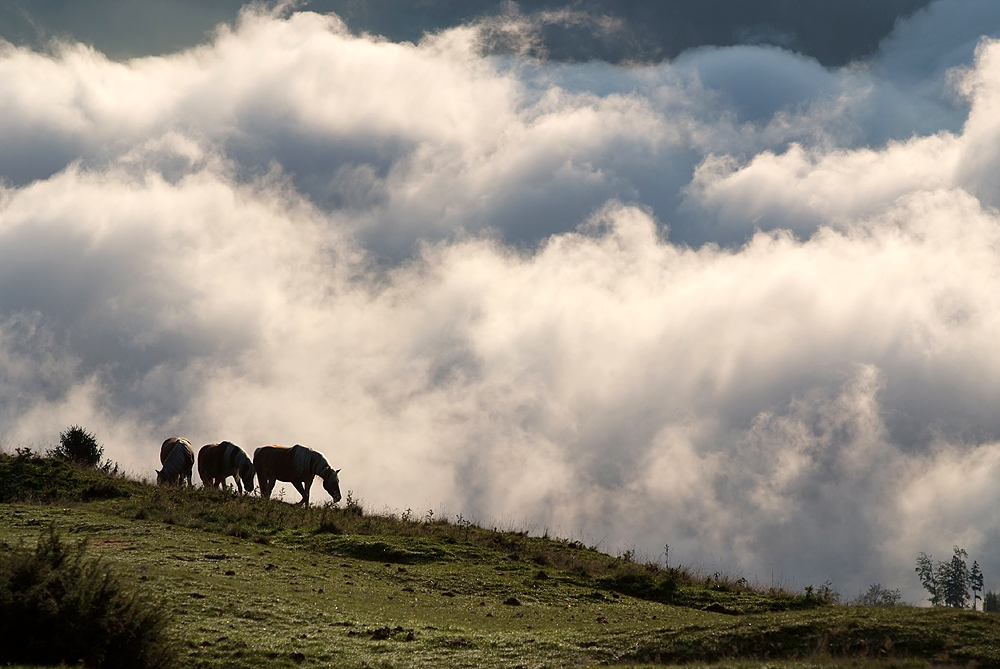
751	317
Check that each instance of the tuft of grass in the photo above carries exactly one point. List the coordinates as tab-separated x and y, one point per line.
62	607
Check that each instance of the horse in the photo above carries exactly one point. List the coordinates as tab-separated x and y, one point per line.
297	465
217	462
177	458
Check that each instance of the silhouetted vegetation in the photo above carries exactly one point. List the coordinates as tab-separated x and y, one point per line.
948	583
79	446
876	595
59	606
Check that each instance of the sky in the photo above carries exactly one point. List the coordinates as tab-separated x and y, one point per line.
725	281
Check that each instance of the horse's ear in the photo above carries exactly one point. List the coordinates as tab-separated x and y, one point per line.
336	471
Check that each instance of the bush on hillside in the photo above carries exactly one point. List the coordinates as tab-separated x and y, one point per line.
58	606
78	445
878	596
644	585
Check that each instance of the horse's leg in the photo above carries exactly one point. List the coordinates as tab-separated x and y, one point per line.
303	488
266	486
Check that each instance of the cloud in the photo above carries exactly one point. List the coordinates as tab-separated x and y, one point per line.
405	141
612	30
751	317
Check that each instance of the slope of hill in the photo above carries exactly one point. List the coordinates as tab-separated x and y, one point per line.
252	582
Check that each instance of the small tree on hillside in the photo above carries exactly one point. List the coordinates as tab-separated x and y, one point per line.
975	582
956	580
947	582
878	596
78	445
928	578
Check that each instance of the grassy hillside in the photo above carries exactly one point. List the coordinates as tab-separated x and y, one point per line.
252	582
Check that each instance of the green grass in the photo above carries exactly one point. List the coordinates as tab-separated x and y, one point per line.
251	582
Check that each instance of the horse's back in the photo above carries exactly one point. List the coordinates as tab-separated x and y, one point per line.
170	444
274	462
177	458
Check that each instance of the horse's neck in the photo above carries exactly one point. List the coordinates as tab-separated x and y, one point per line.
321	468
229	456
241	460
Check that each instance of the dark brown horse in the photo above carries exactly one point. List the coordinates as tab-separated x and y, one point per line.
297	465
217	462
177	458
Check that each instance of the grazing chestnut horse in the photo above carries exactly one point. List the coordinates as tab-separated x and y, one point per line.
177	458
297	465
217	462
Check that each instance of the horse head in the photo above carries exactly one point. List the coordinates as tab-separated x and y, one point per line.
247	473
163	479
332	485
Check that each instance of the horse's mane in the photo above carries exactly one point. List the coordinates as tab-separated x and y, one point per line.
308	461
239	458
321	467
176	461
230	455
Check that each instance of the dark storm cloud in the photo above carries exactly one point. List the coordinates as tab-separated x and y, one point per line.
119	28
832	31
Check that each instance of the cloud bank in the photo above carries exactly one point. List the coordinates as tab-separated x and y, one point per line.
738	303
833	31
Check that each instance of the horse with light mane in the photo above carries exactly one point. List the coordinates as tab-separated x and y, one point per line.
217	462
296	465
177	458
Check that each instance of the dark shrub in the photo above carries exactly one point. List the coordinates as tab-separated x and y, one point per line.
79	446
102	490
644	585
56	606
